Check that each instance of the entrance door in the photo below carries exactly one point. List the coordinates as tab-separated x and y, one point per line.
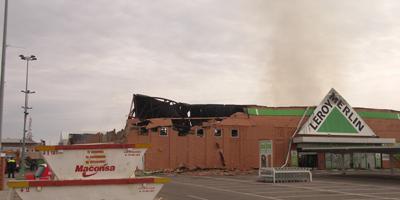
308	160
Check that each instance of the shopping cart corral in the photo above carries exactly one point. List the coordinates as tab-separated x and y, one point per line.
285	174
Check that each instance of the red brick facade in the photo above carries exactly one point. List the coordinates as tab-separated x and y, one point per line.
192	151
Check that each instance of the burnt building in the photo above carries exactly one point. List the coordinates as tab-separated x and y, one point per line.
228	136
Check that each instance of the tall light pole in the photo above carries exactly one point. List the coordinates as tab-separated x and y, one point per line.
3	63
25	107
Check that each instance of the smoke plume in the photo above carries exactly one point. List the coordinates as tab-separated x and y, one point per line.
307	49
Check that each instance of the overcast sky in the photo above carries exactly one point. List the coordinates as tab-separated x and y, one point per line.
93	55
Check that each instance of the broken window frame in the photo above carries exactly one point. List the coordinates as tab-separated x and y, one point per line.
154	130
216	131
143	131
197	132
238	133
165	130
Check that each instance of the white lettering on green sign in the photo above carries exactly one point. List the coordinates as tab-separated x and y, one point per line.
335	116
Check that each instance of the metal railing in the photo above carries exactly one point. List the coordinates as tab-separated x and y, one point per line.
285	174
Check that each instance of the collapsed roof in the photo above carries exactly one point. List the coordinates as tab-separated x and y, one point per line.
146	107
183	116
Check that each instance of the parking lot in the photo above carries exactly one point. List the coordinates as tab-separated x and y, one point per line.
325	186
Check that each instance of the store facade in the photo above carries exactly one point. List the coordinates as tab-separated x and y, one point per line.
299	135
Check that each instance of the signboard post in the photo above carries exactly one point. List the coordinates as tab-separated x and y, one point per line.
294	158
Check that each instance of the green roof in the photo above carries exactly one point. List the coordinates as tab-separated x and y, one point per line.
300	112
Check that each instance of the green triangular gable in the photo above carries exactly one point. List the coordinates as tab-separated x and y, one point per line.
336	122
334	116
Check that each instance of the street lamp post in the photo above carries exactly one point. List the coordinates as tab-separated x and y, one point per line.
26	108
2	76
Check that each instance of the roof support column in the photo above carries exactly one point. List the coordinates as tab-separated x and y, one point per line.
351	160
391	158
343	168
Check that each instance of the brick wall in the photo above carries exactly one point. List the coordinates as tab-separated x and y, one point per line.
210	151
172	151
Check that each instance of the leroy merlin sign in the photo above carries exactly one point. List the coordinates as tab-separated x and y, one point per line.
334	116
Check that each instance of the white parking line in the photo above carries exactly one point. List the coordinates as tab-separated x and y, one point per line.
346	193
238	186
283	191
361	199
196	197
339	186
312	195
363	189
377	193
356	184
225	190
307	188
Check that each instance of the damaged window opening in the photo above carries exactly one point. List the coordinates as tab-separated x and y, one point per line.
217	132
182	126
154	129
182	134
235	133
200	132
143	131
163	131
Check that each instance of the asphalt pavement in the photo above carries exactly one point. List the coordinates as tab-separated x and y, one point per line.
326	186
363	185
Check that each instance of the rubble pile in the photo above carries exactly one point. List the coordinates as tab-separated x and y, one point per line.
202	172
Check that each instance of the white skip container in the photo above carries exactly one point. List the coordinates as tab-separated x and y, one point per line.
92	172
99	189
98	161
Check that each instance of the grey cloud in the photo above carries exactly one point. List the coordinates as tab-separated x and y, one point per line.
94	54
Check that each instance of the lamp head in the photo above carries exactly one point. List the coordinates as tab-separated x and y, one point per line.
32	57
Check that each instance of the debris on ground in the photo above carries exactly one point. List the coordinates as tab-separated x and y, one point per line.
201	172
